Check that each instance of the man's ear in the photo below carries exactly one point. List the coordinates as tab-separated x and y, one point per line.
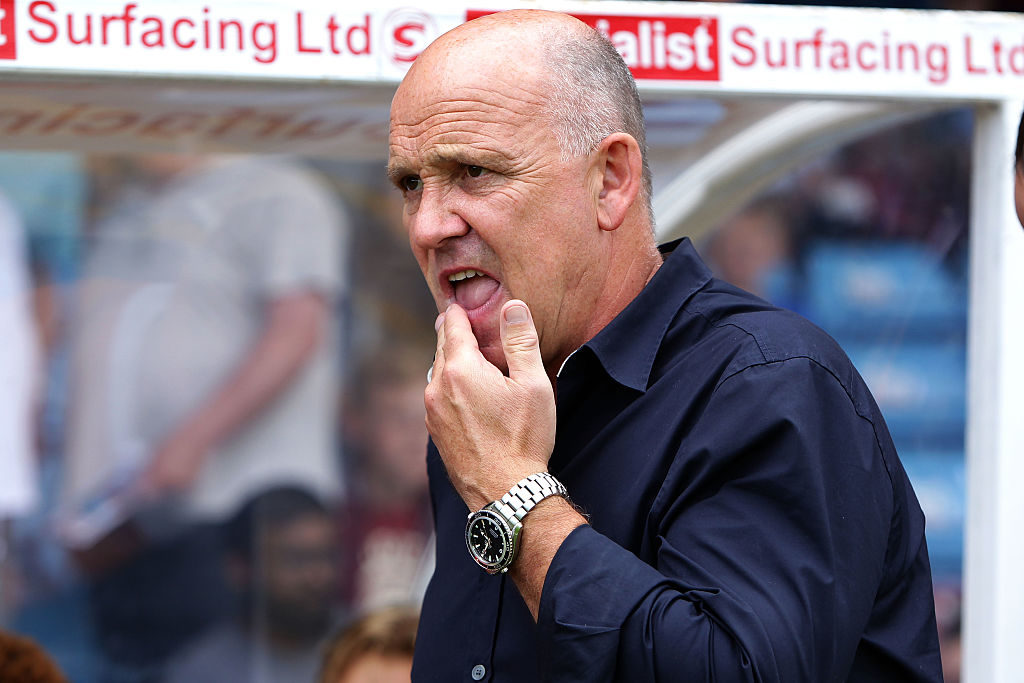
620	167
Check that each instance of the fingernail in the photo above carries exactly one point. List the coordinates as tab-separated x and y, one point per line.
438	322
515	314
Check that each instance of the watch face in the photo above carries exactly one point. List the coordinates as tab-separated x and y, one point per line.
489	540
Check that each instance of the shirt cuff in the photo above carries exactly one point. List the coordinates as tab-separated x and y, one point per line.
591	588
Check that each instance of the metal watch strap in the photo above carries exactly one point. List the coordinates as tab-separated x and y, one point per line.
522	497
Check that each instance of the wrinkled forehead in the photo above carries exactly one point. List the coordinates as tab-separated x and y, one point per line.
473	75
475	105
500	100
485	84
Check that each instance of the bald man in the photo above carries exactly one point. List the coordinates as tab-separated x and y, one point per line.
666	478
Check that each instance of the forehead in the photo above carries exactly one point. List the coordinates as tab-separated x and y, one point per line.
447	106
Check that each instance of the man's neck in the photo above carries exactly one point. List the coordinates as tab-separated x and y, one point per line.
625	283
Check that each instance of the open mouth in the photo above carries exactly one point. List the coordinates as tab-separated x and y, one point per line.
472	288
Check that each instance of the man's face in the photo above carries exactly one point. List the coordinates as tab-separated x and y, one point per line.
491	210
298	575
397	435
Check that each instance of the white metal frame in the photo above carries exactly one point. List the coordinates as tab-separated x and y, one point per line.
993	552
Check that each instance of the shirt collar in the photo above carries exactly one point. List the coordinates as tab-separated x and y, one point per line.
627	346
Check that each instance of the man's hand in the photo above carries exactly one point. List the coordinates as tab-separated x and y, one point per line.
491	430
175	465
292	330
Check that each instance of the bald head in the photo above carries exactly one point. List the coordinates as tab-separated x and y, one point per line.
505	40
584	88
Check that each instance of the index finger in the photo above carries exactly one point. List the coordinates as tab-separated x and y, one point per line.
456	333
437	367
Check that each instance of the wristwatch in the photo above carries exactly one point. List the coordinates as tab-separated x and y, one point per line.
492	534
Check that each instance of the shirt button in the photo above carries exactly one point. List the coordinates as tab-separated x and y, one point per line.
479	671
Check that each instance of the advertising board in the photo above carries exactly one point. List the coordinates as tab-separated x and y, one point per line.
691	46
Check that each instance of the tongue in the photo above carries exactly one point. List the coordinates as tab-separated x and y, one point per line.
475	291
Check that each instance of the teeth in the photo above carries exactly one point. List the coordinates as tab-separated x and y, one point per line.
463	274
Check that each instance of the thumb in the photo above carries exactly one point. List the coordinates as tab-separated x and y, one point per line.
520	342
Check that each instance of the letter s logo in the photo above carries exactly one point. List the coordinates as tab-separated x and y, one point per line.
405	36
406	33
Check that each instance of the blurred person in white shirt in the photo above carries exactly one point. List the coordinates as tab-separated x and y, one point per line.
18	377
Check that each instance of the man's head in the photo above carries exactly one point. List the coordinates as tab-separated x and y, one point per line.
385	420
282	557
752	244
377	648
517	141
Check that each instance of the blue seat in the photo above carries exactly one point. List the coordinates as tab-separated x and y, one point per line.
920	389
938	479
883	291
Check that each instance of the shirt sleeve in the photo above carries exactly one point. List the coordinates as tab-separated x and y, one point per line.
771	536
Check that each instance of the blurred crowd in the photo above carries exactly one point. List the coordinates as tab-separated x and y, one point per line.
216	452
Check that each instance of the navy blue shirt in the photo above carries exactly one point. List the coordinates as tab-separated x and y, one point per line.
749	517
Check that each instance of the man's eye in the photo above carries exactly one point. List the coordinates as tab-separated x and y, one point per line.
475	171
411	183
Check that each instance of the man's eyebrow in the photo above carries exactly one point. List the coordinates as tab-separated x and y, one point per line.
396	171
467	156
447	155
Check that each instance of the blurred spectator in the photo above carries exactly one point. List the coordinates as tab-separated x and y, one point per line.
907	182
17	370
377	648
47	190
282	565
753	250
202	372
38	586
18	377
23	661
948	620
386	519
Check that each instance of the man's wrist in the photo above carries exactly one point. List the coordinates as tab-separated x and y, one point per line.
544	532
478	497
493	532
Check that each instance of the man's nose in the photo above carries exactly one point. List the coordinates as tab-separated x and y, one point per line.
436	219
